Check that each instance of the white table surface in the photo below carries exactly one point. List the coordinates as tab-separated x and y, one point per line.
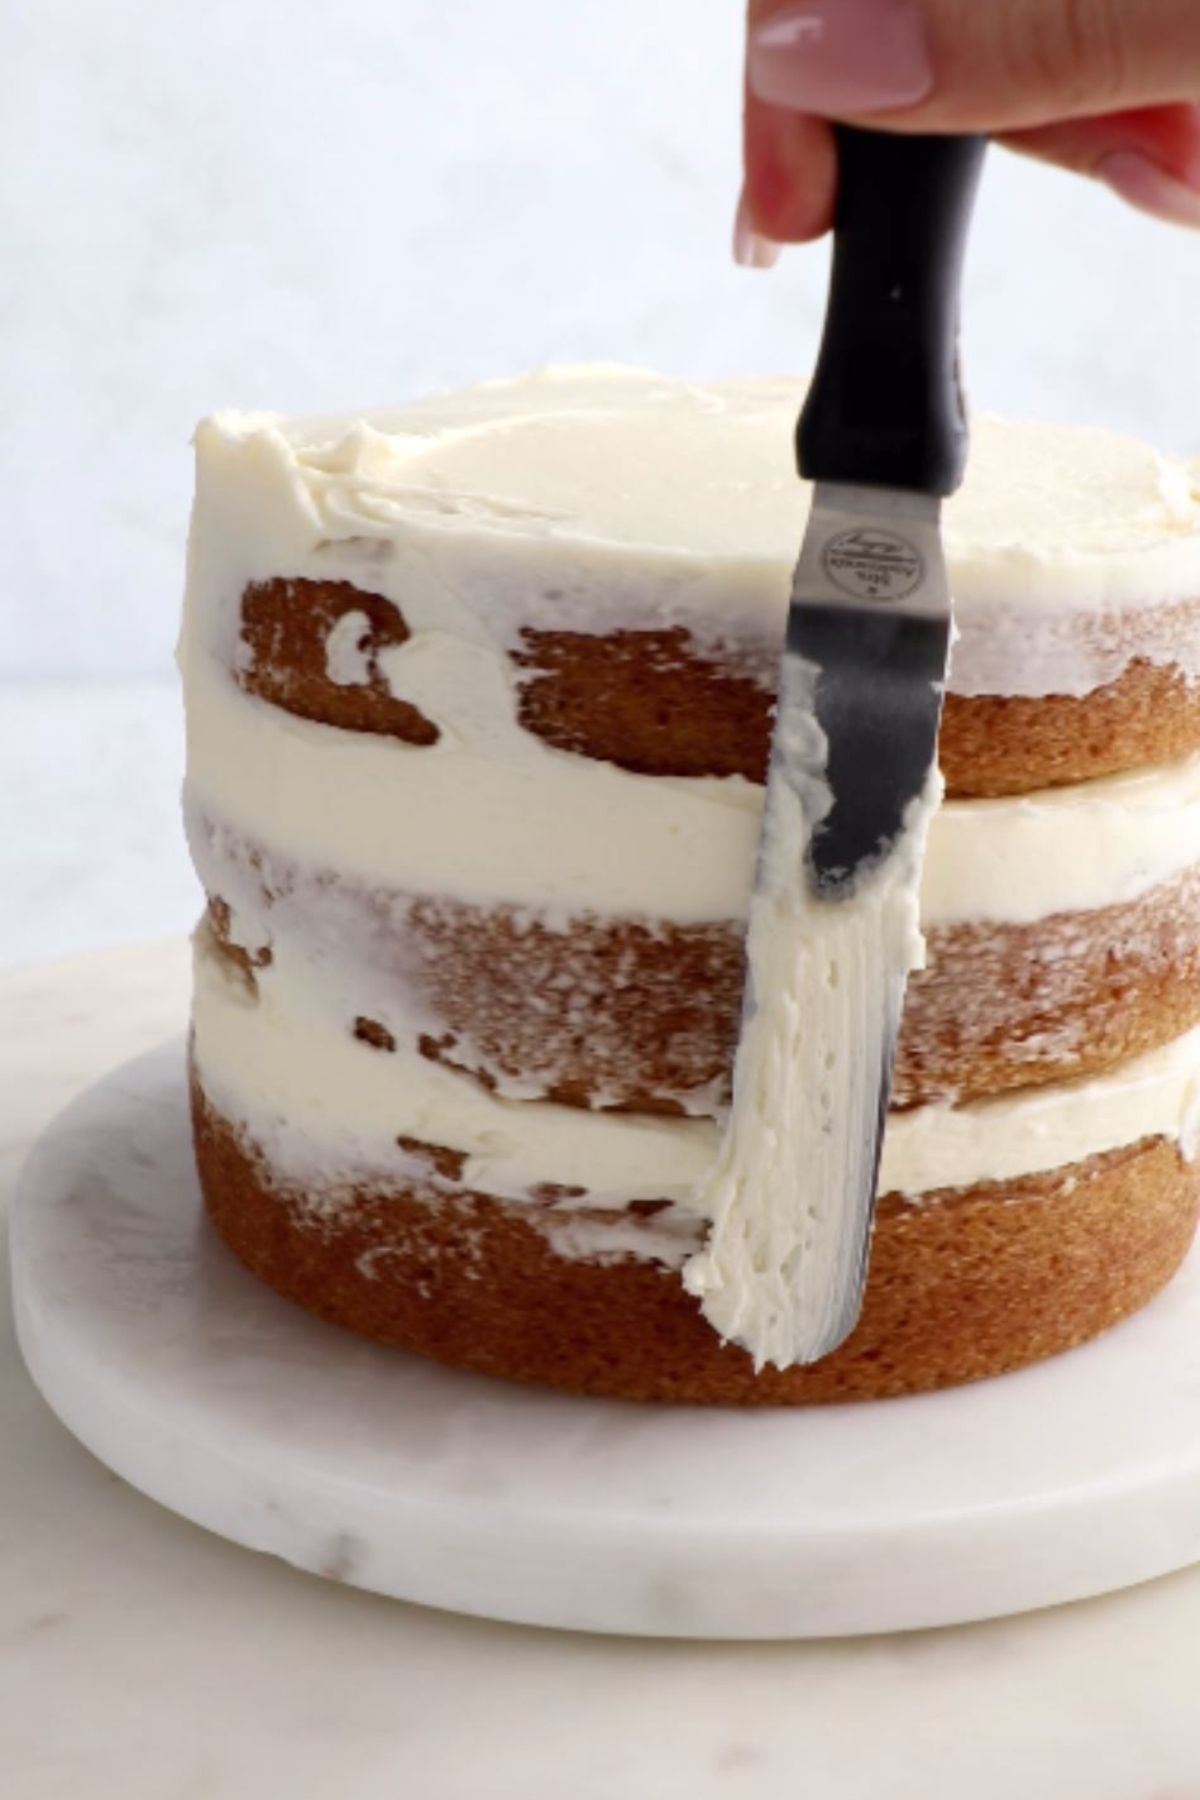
142	1658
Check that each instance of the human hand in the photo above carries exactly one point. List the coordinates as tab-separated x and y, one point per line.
1099	86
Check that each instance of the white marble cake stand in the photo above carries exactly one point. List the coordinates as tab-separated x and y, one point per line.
236	1410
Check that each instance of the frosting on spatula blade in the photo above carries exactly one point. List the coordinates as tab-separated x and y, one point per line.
833	932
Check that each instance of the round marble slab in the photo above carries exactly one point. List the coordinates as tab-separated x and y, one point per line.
238	1411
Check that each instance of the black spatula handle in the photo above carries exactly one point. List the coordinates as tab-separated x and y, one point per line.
885	406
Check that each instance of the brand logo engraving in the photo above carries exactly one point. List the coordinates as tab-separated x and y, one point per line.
872	564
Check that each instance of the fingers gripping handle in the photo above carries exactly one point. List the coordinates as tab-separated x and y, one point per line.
885	406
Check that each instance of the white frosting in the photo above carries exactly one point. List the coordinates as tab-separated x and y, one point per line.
1062	542
323	1105
596	498
492	814
668	1237
1063	515
481	815
1066	849
325	1108
347	658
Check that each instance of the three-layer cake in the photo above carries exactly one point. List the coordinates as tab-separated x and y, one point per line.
479	702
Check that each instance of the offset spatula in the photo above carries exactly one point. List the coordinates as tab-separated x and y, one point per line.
853	780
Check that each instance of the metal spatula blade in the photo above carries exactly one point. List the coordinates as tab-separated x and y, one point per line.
868	640
871	612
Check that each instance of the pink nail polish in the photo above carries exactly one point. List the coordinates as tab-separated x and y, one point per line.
1150	187
751	250
841	58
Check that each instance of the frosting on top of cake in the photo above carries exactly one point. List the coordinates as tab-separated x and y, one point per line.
1064	515
598	499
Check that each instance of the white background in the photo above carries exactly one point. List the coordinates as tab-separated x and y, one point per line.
307	204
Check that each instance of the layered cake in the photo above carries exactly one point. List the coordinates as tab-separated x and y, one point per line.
479	701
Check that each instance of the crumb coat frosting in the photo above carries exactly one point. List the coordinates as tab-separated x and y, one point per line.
326	1109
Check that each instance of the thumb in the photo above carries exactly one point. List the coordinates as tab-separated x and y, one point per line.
972	65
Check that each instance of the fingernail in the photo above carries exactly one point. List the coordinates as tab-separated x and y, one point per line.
841	58
1147	185
751	249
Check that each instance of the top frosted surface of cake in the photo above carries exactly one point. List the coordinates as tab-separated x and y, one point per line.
1066	516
